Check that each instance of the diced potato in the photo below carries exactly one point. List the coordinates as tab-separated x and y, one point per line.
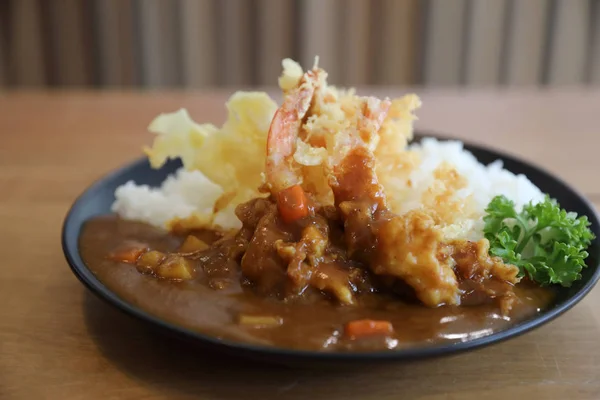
331	279
192	244
149	262
175	267
260	321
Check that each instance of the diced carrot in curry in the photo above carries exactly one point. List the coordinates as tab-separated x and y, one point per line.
292	204
128	255
367	327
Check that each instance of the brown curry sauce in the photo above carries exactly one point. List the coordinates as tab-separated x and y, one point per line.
309	322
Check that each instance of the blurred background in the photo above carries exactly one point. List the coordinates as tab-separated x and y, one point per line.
220	43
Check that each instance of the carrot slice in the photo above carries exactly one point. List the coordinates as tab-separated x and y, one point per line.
367	327
129	255
292	204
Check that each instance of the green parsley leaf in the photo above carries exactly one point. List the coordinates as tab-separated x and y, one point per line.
547	243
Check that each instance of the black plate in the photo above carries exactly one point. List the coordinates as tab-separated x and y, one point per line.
97	200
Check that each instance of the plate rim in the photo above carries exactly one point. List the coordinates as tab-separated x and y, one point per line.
93	284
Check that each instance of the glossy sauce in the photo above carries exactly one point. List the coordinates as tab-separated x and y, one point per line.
311	322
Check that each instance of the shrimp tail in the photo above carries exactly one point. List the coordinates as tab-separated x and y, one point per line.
281	140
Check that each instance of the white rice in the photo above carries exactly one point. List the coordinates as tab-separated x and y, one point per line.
181	195
189	193
484	182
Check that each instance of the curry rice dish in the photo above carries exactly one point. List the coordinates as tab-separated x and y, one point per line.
318	225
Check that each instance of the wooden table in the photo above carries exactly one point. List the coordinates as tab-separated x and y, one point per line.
59	342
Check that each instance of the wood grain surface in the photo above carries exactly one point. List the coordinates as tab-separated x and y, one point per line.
59	342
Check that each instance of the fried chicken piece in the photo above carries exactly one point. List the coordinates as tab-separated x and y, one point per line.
309	264
401	246
488	275
260	263
410	248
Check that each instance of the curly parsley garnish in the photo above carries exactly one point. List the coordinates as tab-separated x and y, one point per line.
547	243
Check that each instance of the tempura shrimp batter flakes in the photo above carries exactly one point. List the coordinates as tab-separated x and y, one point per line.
225	167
